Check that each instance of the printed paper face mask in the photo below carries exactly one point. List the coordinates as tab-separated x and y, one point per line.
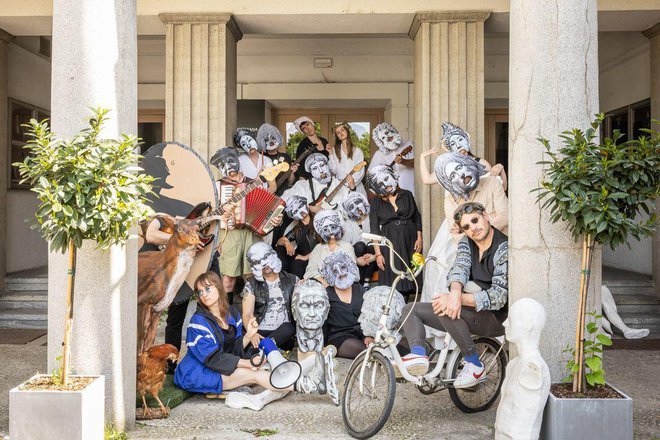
386	137
246	139
339	270
226	160
327	224
356	206
457	173
296	207
269	137
455	137
383	180
317	166
261	256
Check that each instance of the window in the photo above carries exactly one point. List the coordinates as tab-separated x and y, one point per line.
20	113
629	120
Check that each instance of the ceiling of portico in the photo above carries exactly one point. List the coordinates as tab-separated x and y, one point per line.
322	17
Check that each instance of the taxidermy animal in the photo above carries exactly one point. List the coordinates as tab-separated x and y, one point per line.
161	274
151	370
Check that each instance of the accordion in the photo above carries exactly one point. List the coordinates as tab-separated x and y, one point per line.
255	211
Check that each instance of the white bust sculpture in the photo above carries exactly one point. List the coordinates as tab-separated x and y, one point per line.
527	382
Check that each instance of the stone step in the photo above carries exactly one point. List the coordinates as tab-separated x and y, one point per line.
21	285
24	299
631	290
23	318
649	304
650	321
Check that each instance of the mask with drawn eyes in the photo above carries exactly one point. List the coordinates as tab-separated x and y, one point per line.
263	257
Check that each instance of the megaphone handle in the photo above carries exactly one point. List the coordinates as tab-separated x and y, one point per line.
262	359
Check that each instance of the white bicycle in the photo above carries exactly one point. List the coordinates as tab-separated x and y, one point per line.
370	385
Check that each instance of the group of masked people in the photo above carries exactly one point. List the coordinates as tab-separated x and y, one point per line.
307	283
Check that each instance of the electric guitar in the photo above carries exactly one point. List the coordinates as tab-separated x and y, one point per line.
283	178
200	209
327	198
405	151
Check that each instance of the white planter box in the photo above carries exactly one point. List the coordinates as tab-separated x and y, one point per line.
602	419
55	415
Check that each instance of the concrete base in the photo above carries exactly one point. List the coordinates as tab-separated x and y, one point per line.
65	415
602	419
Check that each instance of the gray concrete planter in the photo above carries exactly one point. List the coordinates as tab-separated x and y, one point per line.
55	415
602	419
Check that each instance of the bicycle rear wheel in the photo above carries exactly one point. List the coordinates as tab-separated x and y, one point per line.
481	396
365	413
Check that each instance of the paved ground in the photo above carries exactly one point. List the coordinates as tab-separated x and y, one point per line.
314	417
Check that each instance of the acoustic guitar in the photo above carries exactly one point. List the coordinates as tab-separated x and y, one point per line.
405	151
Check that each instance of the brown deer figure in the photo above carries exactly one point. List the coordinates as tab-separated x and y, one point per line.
162	273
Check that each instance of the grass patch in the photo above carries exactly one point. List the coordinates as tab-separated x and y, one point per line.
110	433
261	432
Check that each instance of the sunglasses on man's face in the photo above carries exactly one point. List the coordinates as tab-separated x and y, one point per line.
466	226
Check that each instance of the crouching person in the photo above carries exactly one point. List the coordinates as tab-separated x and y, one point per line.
267	297
217	359
477	300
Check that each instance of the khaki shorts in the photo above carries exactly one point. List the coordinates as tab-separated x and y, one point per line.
233	252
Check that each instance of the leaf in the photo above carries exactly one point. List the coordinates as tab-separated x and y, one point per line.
604	339
594	363
592	327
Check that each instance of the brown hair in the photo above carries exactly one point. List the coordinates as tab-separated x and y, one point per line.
212	279
349	141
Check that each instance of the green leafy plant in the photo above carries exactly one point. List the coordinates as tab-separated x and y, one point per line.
593	350
111	433
89	188
56	374
598	190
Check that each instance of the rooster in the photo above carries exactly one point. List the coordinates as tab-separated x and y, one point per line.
151	369
161	274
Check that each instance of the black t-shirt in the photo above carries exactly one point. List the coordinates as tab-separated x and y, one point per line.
306	144
343	317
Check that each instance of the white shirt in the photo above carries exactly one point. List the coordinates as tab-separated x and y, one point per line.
353	230
252	171
340	167
406	174
275	313
301	188
321	251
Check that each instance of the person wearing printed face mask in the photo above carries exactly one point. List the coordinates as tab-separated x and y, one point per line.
390	145
269	139
345	295
321	180
312	142
295	246
456	140
394	215
267	296
355	211
233	261
328	227
464	180
253	162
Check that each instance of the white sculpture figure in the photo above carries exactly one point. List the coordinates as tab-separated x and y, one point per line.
527	382
372	307
310	307
612	315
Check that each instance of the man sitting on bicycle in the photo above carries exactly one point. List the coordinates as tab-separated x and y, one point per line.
481	261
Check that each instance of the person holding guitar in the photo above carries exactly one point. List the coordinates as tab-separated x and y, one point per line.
394	152
344	156
233	261
269	139
254	161
321	184
312	141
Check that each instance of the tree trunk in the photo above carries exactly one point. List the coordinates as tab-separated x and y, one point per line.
585	274
68	317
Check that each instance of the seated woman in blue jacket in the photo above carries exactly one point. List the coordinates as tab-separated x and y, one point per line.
218	352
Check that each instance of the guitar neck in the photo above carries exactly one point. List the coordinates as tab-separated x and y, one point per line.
334	192
238	196
286	175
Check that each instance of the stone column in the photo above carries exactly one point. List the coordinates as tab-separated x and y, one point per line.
553	86
449	86
200	82
5	39
95	64
653	34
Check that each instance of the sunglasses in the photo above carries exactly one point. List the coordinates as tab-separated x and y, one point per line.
467	209
474	221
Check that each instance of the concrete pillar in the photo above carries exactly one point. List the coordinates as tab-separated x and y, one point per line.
200	82
5	39
449	86
95	64
553	86
653	34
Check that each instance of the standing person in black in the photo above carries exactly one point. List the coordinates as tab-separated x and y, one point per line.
394	215
298	242
269	139
342	328
306	126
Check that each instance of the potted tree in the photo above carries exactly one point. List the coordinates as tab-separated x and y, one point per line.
89	189
599	192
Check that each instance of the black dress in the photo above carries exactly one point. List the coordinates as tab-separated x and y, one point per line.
303	236
342	322
401	228
304	145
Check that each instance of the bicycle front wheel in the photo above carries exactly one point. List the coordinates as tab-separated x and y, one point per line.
366	412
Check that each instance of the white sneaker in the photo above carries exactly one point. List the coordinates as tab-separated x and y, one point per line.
416	364
470	375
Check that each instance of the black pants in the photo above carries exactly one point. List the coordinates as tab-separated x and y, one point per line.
366	272
284	335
